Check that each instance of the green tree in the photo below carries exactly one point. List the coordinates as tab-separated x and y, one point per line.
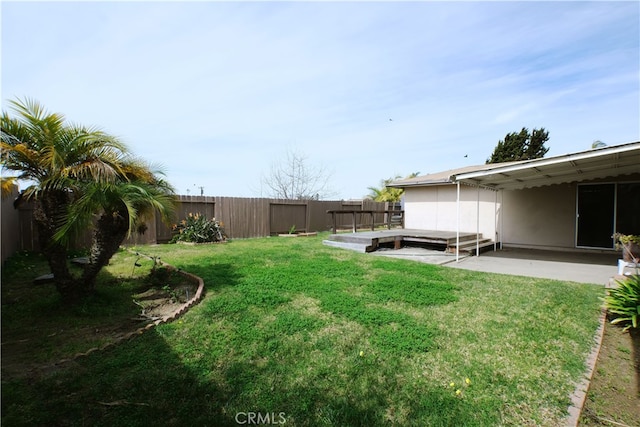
78	174
384	193
521	146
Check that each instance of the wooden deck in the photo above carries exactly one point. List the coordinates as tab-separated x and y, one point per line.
369	241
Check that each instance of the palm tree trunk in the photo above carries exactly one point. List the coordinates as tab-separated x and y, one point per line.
111	230
45	212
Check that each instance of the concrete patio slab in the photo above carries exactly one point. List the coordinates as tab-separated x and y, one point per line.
597	268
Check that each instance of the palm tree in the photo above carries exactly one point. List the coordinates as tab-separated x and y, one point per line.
73	168
384	193
120	208
7	185
388	194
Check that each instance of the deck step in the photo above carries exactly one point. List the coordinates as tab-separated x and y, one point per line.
349	238
470	246
358	247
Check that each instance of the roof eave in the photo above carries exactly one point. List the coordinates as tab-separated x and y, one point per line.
400	184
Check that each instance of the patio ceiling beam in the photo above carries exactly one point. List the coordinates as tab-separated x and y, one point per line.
478	183
563	179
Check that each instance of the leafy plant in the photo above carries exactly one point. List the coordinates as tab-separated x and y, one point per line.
624	239
159	276
197	228
173	293
292	230
629	244
624	302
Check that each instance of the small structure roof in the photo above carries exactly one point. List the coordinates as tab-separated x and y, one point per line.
597	163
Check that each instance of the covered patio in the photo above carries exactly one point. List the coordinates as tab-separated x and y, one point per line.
572	202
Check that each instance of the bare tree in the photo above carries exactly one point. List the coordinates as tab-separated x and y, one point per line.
293	178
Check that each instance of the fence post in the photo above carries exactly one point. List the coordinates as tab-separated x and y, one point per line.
335	224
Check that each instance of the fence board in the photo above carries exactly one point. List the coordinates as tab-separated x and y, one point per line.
10	225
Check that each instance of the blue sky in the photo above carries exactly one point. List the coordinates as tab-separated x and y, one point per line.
216	92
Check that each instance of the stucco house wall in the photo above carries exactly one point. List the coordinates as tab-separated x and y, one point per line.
543	217
435	208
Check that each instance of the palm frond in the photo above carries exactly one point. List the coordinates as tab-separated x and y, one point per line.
7	186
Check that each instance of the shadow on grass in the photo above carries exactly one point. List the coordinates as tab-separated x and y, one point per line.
144	383
139	383
39	328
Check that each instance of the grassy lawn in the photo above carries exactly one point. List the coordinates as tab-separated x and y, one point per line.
323	336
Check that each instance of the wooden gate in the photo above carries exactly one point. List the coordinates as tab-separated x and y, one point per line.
284	217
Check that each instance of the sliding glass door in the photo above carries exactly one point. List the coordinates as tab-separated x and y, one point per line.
603	209
596	214
628	208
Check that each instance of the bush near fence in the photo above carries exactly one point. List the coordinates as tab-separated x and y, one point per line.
241	218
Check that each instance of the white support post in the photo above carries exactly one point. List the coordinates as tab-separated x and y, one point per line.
495	222
478	224
458	222
501	217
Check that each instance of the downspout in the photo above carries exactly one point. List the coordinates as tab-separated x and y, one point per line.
458	222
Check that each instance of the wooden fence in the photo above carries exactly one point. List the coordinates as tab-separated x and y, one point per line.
241	218
9	217
258	217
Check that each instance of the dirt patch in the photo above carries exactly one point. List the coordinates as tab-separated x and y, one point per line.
158	303
614	394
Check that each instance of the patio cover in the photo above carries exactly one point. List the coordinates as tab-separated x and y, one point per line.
598	163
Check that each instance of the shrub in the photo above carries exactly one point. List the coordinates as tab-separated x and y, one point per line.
198	229
624	302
